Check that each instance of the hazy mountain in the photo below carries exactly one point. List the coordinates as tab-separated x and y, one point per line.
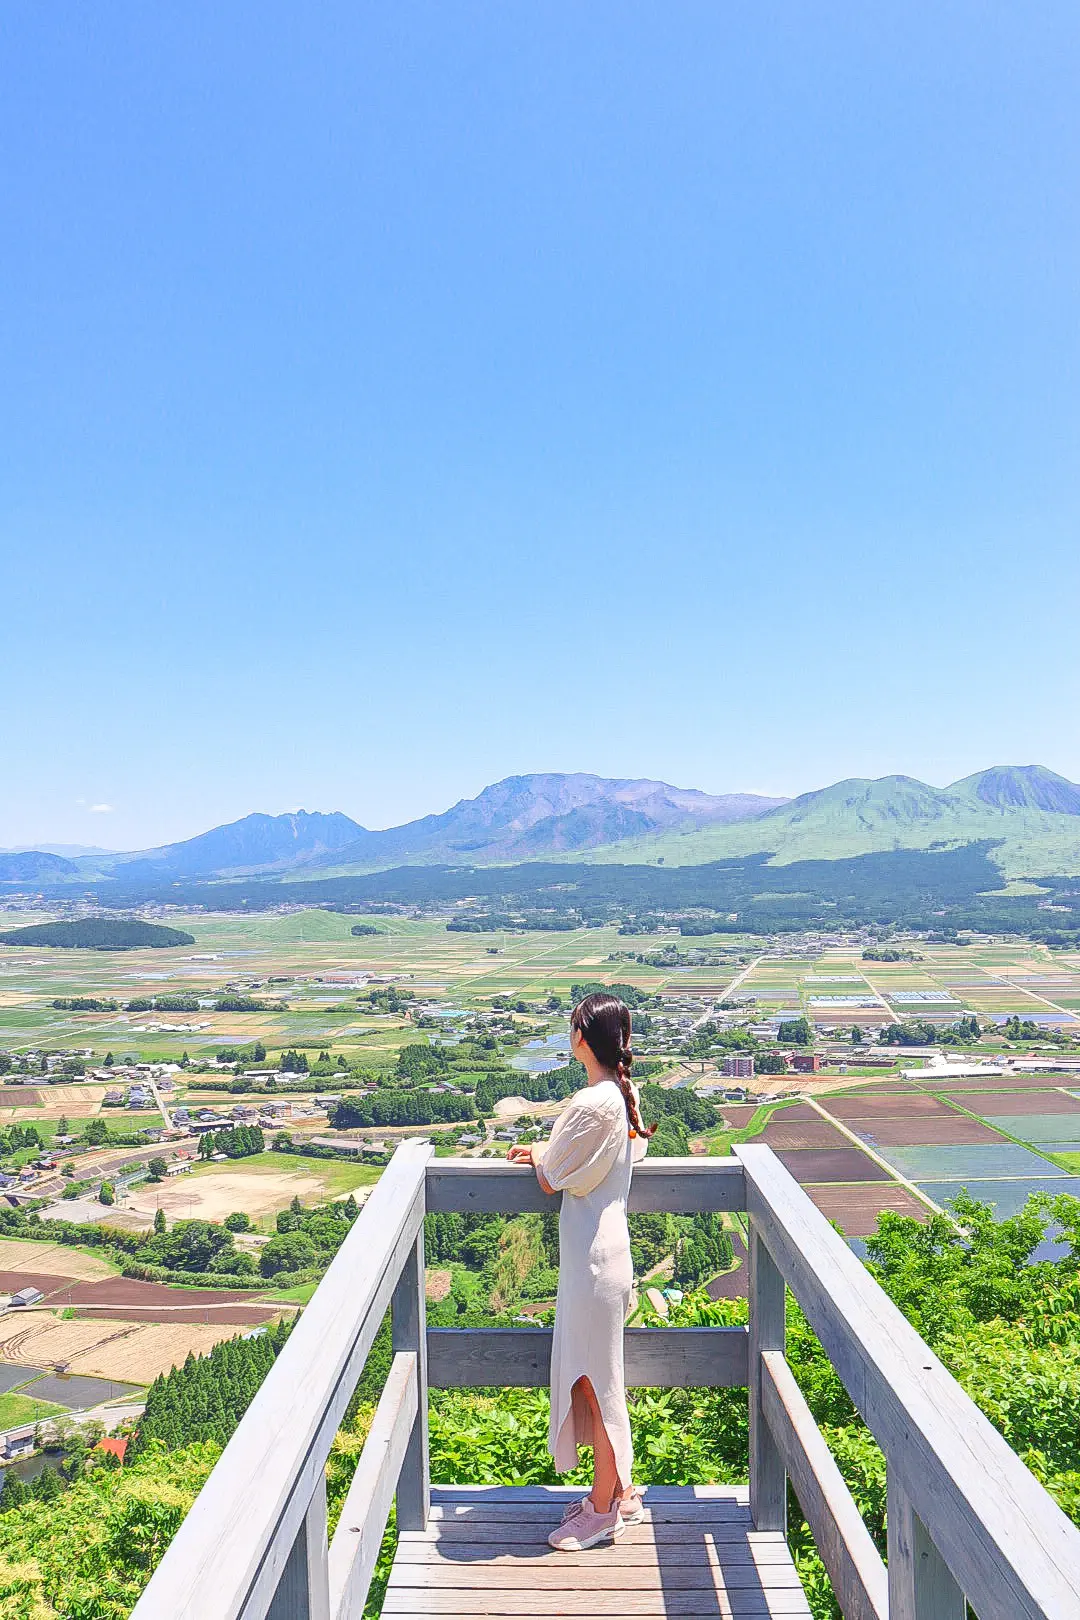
33	866
1033	815
523	817
1021	787
520	818
69	851
255	843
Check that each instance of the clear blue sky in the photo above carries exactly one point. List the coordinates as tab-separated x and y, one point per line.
398	397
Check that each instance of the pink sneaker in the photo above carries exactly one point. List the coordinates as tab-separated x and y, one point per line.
583	1527
632	1508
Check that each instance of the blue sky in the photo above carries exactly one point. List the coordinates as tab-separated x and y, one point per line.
396	398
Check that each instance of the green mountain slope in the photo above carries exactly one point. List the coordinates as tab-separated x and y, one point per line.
860	817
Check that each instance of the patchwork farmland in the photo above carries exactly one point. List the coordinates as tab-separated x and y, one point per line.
914	1150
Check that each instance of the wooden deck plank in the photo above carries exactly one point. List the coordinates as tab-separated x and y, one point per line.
695	1556
526	1605
731	1514
514	1494
537	1529
635	1553
604	1575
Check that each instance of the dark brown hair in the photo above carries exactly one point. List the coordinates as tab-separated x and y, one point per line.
603	1021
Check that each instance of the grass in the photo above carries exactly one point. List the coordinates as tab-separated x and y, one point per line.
719	1140
1067	1161
17	1409
300	1294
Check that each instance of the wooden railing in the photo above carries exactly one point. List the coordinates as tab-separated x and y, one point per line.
965	1517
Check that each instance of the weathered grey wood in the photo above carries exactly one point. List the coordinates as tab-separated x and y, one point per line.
663	1358
679	1186
768	1331
704	1551
667	1533
524	1604
726	1501
711	1563
674	1512
409	1332
920	1585
1007	1543
604	1575
846	1547
226	1559
302	1590
355	1547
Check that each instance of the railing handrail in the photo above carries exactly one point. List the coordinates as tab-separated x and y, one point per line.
965	1515
675	1186
1008	1546
226	1560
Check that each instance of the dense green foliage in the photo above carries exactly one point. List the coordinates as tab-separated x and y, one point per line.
394	1107
206	1397
239	1142
98	934
937	889
16	1138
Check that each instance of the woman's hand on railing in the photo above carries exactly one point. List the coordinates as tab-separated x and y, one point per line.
521	1153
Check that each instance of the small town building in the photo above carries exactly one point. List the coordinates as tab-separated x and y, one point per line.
806	1062
738	1067
27	1296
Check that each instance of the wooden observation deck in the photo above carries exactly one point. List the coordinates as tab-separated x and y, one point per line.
966	1519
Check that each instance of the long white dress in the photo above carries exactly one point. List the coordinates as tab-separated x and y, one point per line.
589	1159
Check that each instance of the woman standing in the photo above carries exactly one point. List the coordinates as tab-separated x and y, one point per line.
597	1140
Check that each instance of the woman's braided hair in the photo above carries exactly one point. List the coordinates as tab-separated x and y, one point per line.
604	1022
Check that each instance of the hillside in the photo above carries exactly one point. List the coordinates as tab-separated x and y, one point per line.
862	816
98	934
34	865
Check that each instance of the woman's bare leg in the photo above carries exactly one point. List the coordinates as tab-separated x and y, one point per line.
606	1483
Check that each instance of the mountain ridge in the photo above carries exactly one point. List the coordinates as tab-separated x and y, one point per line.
863	815
516	818
1029	813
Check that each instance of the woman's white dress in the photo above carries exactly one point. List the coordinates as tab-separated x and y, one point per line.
589	1159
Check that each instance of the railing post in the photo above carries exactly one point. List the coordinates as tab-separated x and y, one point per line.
408	1317
303	1592
768	1481
921	1586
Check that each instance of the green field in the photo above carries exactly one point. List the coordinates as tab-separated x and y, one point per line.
18	1409
467	971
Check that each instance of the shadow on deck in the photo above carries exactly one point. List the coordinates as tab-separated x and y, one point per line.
485	1553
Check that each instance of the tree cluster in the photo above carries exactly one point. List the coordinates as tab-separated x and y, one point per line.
206	1397
238	1143
397	1107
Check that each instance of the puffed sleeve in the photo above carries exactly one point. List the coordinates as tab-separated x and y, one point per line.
586	1140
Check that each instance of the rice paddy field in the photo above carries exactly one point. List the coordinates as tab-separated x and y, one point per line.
885	1143
916	1149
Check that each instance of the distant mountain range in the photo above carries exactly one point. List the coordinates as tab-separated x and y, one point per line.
1032	815
1030	812
517	819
